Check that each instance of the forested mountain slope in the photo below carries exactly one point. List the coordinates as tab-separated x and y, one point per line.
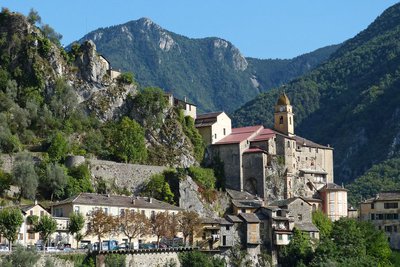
351	101
210	72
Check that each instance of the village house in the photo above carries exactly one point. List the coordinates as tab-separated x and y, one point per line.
189	109
86	203
383	212
213	126
27	235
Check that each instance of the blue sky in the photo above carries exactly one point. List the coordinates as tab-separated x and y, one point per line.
259	28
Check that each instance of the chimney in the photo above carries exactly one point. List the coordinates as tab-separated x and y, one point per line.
150	200
35	202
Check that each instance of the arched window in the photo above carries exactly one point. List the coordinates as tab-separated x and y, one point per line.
281	120
288	144
290	120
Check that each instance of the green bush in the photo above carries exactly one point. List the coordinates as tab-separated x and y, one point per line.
126	78
159	188
199	259
21	257
205	177
115	260
193	134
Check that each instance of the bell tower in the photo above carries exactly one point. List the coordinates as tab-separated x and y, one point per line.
283	116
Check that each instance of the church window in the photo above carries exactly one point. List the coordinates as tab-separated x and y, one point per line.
215	136
306	158
288	144
281	120
224	131
290	120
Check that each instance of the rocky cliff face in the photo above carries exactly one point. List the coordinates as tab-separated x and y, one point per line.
191	200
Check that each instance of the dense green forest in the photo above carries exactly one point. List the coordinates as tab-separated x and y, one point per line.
350	101
210	72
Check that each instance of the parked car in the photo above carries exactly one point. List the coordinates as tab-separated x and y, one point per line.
4	248
51	249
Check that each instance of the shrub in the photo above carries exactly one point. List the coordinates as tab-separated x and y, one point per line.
205	177
126	78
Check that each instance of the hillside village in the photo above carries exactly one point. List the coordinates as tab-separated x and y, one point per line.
98	169
274	179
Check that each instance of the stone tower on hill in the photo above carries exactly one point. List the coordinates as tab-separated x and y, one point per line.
275	163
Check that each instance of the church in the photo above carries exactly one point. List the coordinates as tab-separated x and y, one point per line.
274	164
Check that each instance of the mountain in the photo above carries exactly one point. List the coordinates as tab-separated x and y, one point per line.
351	101
68	103
210	72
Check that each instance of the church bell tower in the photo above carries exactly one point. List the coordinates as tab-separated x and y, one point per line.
284	116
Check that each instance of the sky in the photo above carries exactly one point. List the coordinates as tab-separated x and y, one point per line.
258	28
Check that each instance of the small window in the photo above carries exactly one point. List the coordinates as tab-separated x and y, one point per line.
228	227
288	144
77	209
143	212
300	217
372	216
395	228
316	150
31	212
393	205
31	236
153	214
280	237
388	228
243	210
281	120
215	136
372	206
41	213
21	236
106	210
290	120
224	131
309	149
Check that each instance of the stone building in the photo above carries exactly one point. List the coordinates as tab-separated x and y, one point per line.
189	109
213	126
86	203
272	164
383	212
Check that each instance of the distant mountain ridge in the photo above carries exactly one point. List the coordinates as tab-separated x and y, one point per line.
210	72
351	101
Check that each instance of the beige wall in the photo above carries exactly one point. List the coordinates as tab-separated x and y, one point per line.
217	129
190	110
112	210
383	224
335	203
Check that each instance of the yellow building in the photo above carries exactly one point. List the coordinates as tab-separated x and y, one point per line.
383	212
86	203
26	235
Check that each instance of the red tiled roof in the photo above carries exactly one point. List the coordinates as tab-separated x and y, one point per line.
238	135
265	134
